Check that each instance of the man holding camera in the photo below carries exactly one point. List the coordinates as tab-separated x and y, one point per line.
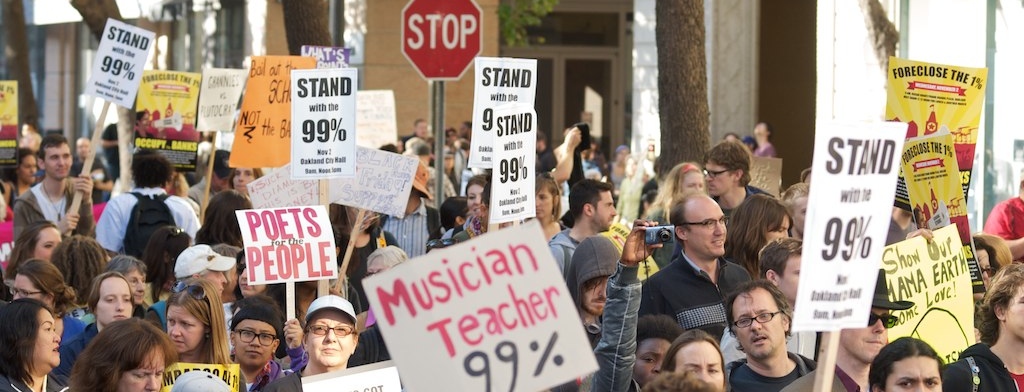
690	289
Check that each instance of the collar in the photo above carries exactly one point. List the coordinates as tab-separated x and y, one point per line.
697	269
847	381
422	209
150	191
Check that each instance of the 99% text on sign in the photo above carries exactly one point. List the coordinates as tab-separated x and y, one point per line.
117	67
847	240
478	363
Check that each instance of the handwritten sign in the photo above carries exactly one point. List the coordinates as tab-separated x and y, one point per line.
8	122
221	87
375	118
513	185
491	314
166	116
766	174
230	374
498	81
382	183
290	244
120	58
855	168
264	126
323	122
327	57
936	278
278	189
377	377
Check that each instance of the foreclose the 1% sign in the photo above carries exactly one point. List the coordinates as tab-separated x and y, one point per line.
478	363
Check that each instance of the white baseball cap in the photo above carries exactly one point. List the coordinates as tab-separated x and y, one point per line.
331	302
196	259
199	381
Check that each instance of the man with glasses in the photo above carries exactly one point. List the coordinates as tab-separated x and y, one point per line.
690	288
859	346
727	170
256	332
760	319
329	339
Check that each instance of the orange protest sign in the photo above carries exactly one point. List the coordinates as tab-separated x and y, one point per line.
263	131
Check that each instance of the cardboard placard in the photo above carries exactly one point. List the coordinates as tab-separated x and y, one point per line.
766	174
8	122
120	59
855	167
263	131
375	118
376	377
935	277
291	244
327	57
489	314
513	182
230	374
278	189
166	116
382	183
499	81
323	123
221	89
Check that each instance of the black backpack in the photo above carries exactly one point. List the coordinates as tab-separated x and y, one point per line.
149	214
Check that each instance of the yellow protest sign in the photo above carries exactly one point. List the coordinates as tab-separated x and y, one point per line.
8	122
934	276
230	374
165	118
618	233
263	131
933	97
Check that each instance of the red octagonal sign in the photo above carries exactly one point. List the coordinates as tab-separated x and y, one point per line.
441	37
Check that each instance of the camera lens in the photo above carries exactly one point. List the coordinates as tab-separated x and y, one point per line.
664	235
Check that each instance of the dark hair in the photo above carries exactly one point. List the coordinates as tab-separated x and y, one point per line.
898	350
1005	286
161	253
668	365
11	174
453	207
18	333
485	195
751	221
120	347
678	382
48	279
998	252
256	174
732	156
221	225
150	169
657	326
546	182
80	259
748	287
51	140
586	192
25	245
775	256
260	308
768	127
480	179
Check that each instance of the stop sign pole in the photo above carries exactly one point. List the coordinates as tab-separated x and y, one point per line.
440	38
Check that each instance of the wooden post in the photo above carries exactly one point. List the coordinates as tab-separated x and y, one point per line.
209	178
76	202
342	285
289	300
323	286
826	361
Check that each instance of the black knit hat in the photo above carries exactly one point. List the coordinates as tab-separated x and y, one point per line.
260	312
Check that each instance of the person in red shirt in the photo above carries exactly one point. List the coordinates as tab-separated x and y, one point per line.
1007	221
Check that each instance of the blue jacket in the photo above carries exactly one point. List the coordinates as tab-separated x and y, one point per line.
616	351
70	350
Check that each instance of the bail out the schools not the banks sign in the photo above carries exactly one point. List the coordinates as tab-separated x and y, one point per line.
855	167
291	244
491	314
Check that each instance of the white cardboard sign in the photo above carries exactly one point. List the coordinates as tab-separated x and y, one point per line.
855	167
323	123
376	377
375	118
382	183
513	180
120	58
499	81
218	99
491	314
290	244
278	189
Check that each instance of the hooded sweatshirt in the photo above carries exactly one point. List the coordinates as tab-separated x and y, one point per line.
595	257
562	247
992	374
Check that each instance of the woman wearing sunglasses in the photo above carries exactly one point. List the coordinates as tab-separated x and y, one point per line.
195	323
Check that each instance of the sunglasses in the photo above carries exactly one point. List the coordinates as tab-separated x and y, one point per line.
193	290
888	320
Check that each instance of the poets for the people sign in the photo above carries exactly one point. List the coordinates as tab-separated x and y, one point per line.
290	244
491	314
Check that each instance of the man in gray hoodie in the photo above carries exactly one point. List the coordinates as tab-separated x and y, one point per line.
592	210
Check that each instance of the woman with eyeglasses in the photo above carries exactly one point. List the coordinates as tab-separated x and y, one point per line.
37	241
756	222
329	338
110	300
134	270
42	281
161	252
256	331
195	323
28	347
128	356
992	253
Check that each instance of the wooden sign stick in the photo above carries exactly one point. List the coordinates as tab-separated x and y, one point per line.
289	299
826	361
76	202
342	285
209	178
323	286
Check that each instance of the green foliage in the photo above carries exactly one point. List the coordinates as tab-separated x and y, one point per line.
516	15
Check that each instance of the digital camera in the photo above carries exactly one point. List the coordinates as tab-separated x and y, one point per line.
658	234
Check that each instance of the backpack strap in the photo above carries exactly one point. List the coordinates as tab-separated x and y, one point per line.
433	223
566	260
975	378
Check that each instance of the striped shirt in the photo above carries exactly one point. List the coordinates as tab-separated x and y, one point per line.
410	231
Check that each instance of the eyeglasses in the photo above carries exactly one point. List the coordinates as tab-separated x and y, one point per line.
761	319
888	320
440	243
176	231
248	335
194	290
709	223
713	174
989	271
339	331
22	293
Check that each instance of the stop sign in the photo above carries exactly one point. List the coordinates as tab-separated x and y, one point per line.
441	37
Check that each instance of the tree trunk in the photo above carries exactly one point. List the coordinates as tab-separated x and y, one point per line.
95	14
884	36
305	23
16	51
682	82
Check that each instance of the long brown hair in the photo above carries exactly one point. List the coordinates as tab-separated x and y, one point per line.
25	245
751	221
1005	285
80	259
122	346
221	225
209	311
48	279
161	253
